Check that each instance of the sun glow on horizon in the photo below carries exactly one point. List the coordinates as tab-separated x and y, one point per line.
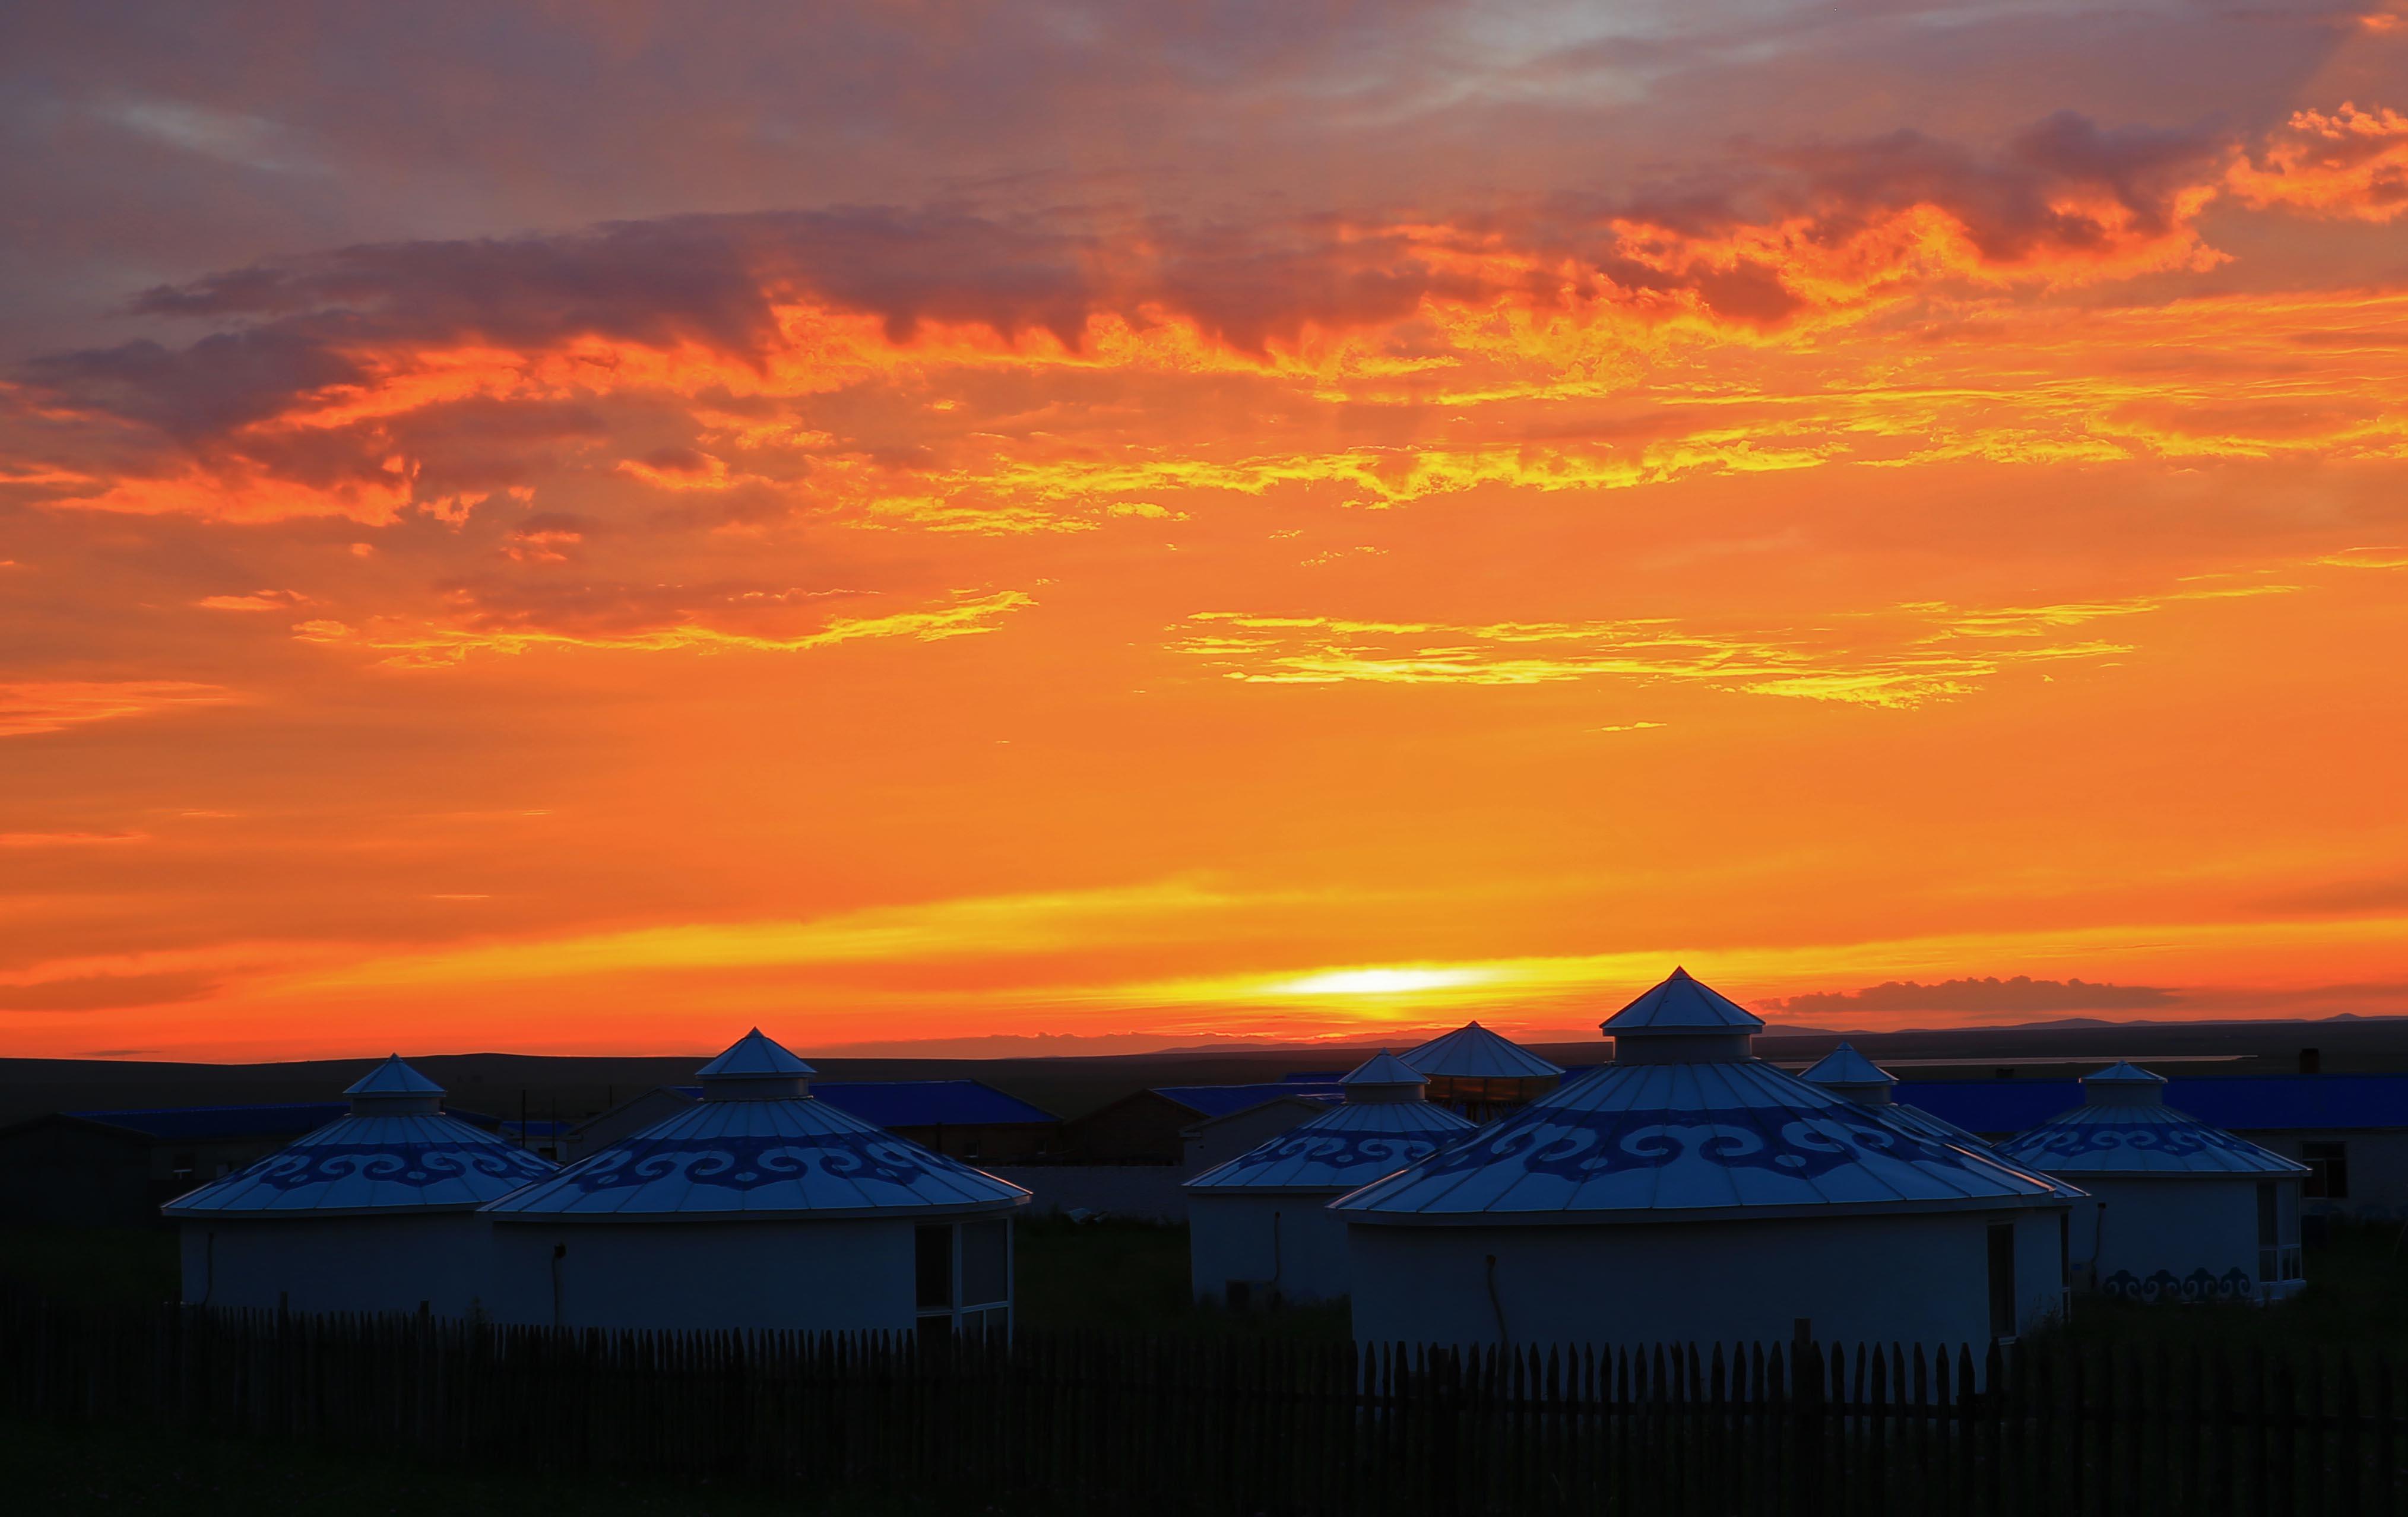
1379	982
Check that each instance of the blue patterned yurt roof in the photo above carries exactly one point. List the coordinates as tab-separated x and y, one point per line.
796	1157
2143	1141
1473	1053
1384	1125
1683	1140
419	1160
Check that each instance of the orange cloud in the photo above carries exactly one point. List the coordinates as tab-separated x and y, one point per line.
40	706
2347	163
1934	651
336	399
436	646
258	600
70	840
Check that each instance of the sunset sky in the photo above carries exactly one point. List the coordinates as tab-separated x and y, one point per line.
588	527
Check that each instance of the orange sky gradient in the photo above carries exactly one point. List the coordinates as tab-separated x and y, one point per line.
579	532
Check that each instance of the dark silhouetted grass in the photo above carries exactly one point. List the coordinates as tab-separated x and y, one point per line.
1133	1277
2357	1297
138	1473
92	1263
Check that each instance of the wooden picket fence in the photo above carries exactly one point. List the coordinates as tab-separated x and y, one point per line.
1230	1425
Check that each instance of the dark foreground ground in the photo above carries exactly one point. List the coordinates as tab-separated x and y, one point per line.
74	1471
1122	1276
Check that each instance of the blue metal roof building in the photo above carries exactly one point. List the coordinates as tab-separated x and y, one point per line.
200	1124
921	1103
1220	1101
2241	1104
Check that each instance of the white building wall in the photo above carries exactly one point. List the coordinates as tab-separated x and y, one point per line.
1907	1280
816	1276
2161	1233
373	1264
2378	1169
1291	1246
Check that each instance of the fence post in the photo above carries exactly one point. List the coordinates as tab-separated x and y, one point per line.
1806	1383
2282	1423
1444	1387
2386	1483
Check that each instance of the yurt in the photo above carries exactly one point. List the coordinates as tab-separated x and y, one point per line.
1689	1191
1480	1074
760	1206
2177	1210
1848	1074
1260	1228
375	1211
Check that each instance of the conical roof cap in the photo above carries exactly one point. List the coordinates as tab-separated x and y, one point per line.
1683	1005
2123	1072
1472	1051
392	1077
755	1057
1844	1069
1383	1068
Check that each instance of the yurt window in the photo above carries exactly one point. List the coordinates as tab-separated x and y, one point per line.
986	1263
2278	1233
933	1254
2328	1170
2002	1280
964	1277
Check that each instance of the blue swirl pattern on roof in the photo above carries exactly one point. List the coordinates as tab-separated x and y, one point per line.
1338	1149
801	1157
2139	1140
1579	1145
1658	1138
415	1162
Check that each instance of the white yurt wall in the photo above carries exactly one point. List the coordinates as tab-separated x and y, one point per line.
1728	1281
